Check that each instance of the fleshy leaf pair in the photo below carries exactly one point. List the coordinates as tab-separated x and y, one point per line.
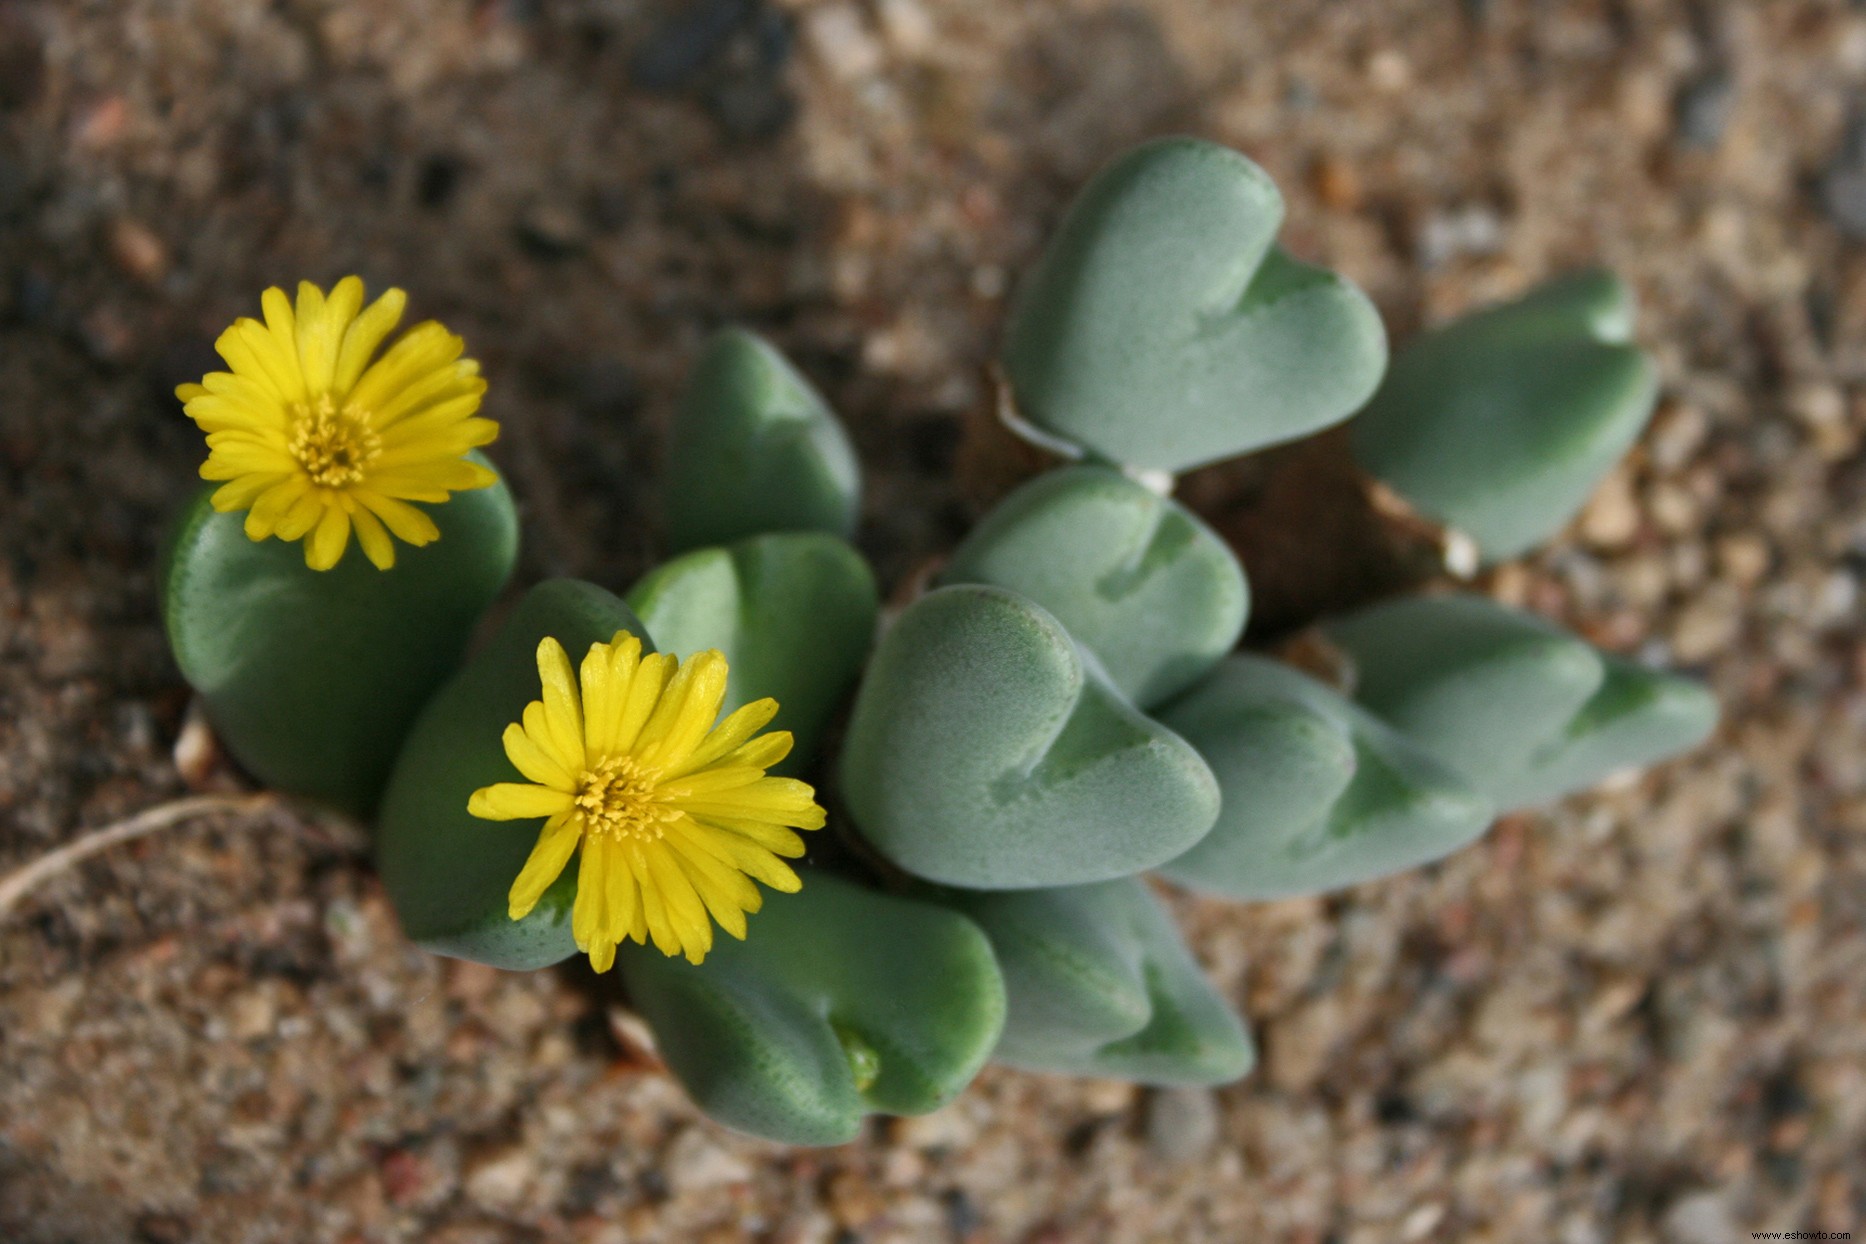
998	741
312	678
755	449
1525	711
843	1001
1134	577
1500	424
447	871
1099	982
1318	793
793	615
986	750
1164	329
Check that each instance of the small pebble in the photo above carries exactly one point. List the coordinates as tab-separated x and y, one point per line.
498	1178
1336	183
693	1162
1473	230
842	42
137	250
908	27
1611	518
1843	186
552	231
1701	1218
1181	1125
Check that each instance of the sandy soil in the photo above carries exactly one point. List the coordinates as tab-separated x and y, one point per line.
1641	1017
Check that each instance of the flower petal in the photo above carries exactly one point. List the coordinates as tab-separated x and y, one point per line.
535	762
687	710
685	912
517	801
741	724
328	541
589	923
556	841
373	538
365	334
563	711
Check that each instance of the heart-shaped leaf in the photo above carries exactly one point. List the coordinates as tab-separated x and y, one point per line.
1099	982
1499	424
755	449
1637	718
1318	794
1134	577
794	614
841	1001
311	677
447	872
1481	686
1163	329
985	751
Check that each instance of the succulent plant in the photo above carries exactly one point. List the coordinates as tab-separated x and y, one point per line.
1499	424
1061	711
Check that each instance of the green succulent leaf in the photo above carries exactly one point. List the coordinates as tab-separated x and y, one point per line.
1499	424
1163	329
986	751
1134	577
794	614
447	872
840	1001
1480	685
1100	983
754	449
310	677
1638	717
1526	711
1318	793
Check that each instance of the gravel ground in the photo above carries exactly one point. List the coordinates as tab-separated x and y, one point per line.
1639	1017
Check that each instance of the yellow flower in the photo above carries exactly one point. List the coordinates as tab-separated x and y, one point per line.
674	813
314	439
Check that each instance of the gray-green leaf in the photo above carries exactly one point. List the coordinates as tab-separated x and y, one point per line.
1481	686
1099	982
1163	329
312	678
1523	709
840	1001
1318	794
794	614
1134	577
1499	424
986	751
754	449
1638	717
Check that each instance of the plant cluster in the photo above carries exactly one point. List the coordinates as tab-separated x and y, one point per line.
1061	712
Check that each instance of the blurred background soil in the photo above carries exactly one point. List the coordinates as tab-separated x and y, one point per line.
1639	1017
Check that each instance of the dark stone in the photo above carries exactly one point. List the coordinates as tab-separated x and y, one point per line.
1842	188
1703	108
751	107
961	1215
22	61
1393	1108
588	1186
438	181
680	49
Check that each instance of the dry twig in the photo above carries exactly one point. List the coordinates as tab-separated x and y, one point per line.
17	885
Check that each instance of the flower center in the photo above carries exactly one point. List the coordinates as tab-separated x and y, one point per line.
617	798
333	446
